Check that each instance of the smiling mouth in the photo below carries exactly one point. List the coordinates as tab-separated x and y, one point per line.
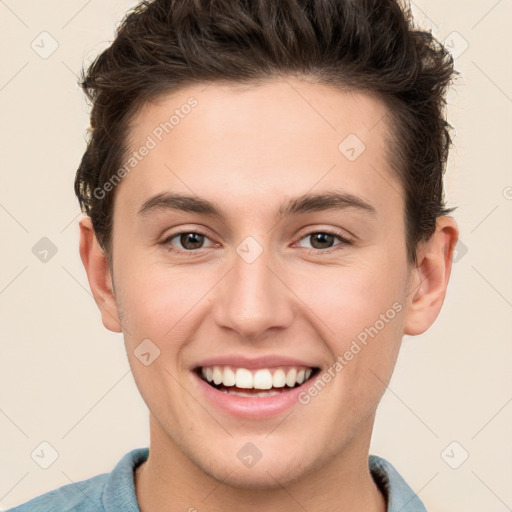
252	383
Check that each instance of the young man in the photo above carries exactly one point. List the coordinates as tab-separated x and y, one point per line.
265	221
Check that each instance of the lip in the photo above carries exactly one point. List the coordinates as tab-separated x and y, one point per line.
251	408
239	361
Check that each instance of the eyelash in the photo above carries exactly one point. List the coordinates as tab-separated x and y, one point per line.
343	241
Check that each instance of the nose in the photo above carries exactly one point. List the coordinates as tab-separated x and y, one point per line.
252	299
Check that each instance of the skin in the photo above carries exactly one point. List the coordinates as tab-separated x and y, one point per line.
248	149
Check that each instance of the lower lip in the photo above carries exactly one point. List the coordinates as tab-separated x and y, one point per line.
255	408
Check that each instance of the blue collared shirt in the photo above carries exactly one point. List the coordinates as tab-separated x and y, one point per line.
115	491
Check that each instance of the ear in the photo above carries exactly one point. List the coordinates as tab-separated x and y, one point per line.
429	279
98	274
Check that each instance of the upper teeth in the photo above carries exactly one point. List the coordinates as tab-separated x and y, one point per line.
261	379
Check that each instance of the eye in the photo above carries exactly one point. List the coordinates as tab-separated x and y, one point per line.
323	241
191	241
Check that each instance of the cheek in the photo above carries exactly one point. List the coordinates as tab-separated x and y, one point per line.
157	304
158	300
359	309
347	299
158	385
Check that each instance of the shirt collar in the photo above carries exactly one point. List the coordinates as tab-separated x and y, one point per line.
400	497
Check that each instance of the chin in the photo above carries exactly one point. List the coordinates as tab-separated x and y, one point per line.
270	472
263	476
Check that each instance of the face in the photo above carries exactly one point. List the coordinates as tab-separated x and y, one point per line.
249	282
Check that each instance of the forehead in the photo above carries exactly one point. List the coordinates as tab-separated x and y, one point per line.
241	143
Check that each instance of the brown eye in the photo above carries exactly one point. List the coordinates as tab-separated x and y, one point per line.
191	241
187	242
322	240
325	241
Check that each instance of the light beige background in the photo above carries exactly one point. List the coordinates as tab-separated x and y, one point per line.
65	380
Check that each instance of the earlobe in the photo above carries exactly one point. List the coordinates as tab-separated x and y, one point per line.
429	279
98	274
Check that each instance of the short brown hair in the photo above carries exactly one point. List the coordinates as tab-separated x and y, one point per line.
362	45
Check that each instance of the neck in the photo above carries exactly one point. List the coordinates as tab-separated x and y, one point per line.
170	482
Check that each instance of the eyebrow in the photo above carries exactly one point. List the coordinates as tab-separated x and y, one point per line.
299	205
